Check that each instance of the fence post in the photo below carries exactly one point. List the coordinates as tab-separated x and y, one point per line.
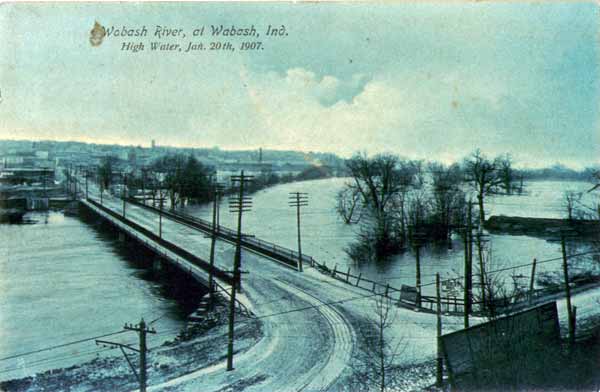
373	287
387	289
334	270
532	281
348	275
358	280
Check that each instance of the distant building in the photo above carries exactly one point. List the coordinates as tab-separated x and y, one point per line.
26	175
153	144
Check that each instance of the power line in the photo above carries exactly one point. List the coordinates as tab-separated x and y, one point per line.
57	358
520	266
59	346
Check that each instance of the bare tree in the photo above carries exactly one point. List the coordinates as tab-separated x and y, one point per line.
375	179
448	198
381	351
348	202
570	201
595	179
377	182
483	175
506	172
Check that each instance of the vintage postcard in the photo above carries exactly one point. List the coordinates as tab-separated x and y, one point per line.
299	196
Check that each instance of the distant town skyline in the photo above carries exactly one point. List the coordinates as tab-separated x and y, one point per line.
425	81
262	151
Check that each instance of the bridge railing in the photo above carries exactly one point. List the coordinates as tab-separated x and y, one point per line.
289	256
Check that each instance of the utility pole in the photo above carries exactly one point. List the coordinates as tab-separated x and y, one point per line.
143	188
75	185
298	199
439	379
219	211
468	269
124	193
161	201
213	240
142	330
68	180
86	183
482	278
240	205
470	243
418	238
571	323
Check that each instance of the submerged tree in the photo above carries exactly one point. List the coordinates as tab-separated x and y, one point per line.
448	199
483	175
570	201
348	204
377	182
506	172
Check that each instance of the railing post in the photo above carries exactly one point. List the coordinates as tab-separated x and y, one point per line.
348	275
334	271
358	280
532	281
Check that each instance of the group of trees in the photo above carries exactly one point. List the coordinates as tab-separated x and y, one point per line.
182	179
396	200
176	177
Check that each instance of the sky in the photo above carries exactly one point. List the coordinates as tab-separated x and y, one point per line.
424	80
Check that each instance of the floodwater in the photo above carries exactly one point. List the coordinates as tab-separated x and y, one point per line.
65	279
325	236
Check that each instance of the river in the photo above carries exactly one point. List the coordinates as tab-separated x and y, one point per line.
68	278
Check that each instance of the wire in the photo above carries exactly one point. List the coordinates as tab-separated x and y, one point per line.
519	266
60	345
58	358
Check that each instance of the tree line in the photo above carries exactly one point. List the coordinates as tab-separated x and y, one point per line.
182	179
